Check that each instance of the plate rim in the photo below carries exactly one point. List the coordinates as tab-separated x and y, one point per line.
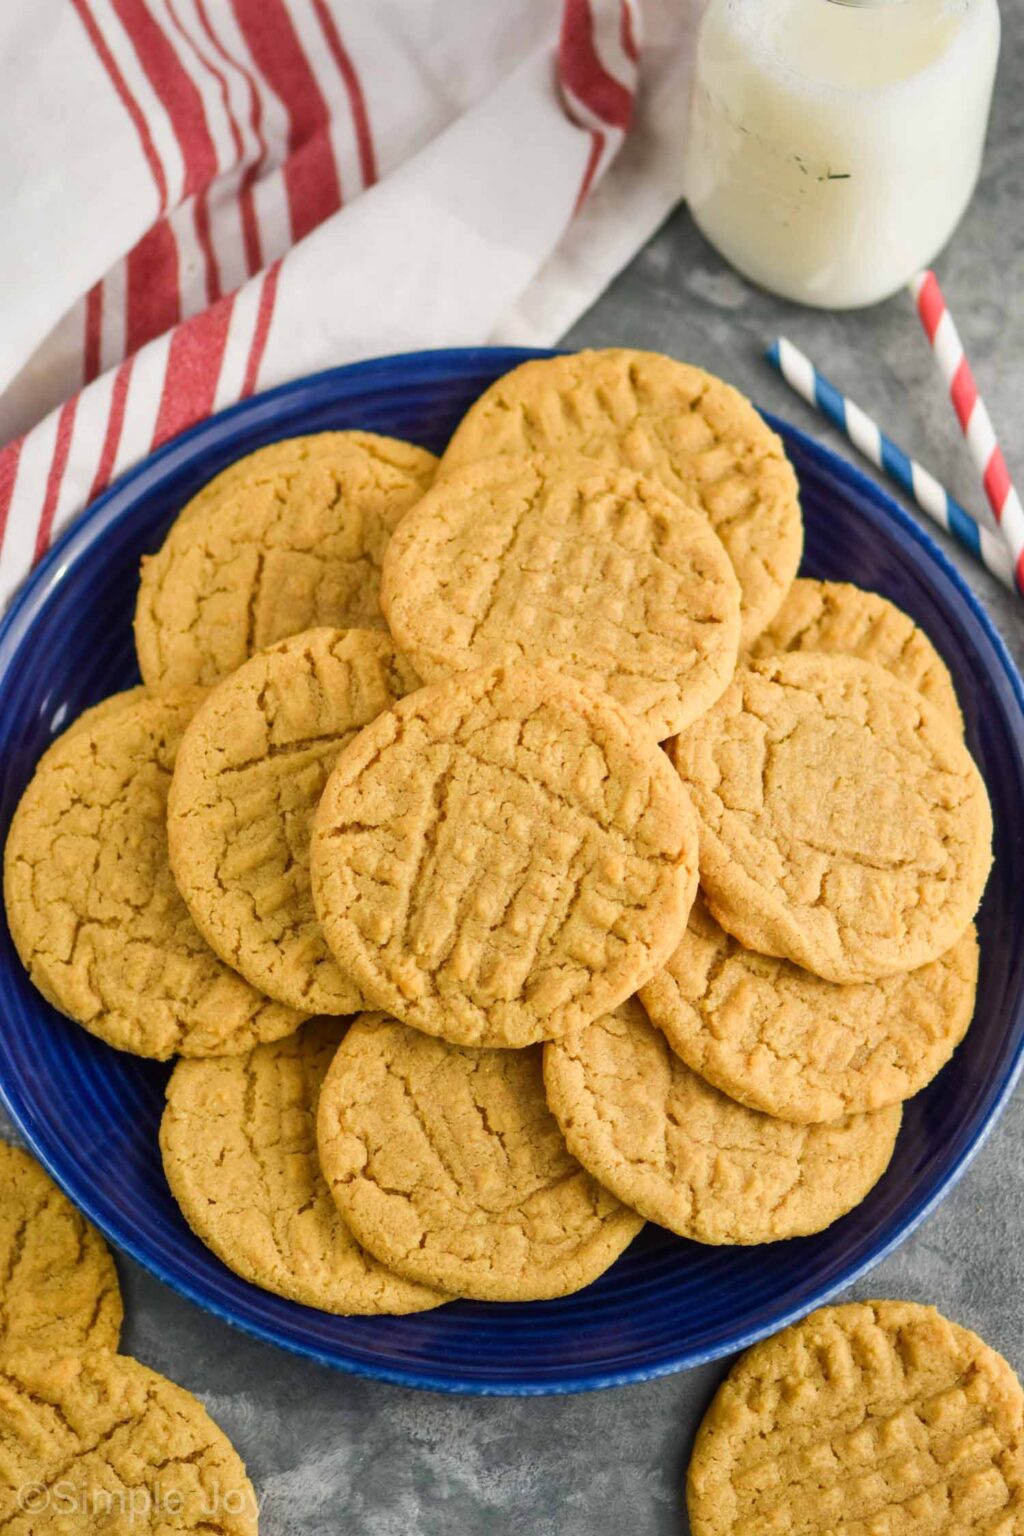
89	525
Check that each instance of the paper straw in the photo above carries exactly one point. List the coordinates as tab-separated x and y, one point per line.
975	422
866	436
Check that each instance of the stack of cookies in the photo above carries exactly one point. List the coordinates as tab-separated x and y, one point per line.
449	747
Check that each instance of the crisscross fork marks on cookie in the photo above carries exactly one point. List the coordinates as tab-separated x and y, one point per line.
506	882
285	539
556	560
450	1168
498	854
867	1417
94	909
248	778
666	419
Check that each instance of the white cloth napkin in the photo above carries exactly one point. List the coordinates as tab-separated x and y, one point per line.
201	198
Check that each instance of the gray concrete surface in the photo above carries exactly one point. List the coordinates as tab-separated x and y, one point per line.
331	1454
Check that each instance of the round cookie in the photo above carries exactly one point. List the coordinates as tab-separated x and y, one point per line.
877	1416
844	825
838	618
92	905
554	559
696	434
502	857
98	1442
247	780
59	1291
289	538
691	1159
448	1165
238	1140
782	1041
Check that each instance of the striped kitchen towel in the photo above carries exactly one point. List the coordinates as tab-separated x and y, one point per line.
202	198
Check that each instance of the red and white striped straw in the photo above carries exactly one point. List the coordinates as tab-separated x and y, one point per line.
973	416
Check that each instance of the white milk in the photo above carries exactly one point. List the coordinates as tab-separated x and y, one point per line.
834	146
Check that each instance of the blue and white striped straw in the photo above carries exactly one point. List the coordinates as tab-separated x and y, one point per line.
802	376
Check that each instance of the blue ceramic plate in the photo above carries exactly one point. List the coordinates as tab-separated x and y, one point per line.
91	1114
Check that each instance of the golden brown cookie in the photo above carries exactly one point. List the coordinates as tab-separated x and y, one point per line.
553	559
879	1418
58	1284
106	709
247	780
449	1167
836	617
782	1041
238	1140
289	538
501	857
99	1443
683	426
92	905
844	825
691	1159
277	464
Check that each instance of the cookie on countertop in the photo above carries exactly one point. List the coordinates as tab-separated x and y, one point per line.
289	538
667	419
98	1442
554	559
877	1416
447	1164
843	823
92	905
836	617
690	1158
784	1042
58	1286
248	776
238	1141
503	856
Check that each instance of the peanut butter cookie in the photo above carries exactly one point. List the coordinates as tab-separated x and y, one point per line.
691	1159
836	617
596	570
844	825
247	780
92	905
289	538
106	709
680	425
97	1442
59	1290
789	1044
448	1165
878	1416
238	1140
503	856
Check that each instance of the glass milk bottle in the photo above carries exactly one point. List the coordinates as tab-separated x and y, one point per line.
835	144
